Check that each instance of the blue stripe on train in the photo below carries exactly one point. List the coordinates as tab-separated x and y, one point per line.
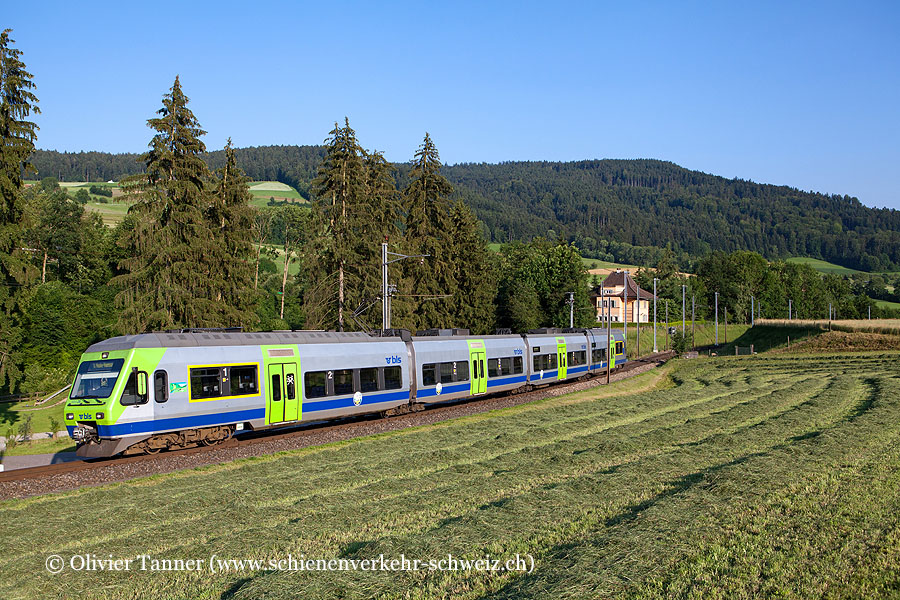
207	420
576	370
505	381
348	401
447	389
180	422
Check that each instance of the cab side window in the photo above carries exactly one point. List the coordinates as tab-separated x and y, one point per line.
161	386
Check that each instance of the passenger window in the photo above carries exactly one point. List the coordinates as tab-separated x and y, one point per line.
205	383
505	366
462	371
161	386
244	381
276	388
392	378
518	366
343	382
494	367
447	372
315	384
552	364
481	362
368	380
429	374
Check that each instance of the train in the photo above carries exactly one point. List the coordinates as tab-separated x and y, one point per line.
174	389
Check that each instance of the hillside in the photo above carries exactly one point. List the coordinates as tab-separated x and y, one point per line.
606	206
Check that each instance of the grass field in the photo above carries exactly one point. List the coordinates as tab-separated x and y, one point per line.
263	190
884	326
732	477
887	304
822	266
13	413
43	446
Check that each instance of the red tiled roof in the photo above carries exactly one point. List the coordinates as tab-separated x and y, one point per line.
617	279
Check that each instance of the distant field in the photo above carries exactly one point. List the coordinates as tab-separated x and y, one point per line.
112	213
887	304
885	326
751	477
822	266
263	190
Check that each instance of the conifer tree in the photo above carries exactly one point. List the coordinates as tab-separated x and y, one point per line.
231	219
428	231
338	188
17	136
173	278
472	303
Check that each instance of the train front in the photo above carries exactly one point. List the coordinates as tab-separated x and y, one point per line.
92	404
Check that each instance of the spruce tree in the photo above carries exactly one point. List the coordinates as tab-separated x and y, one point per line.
173	277
428	231
231	218
472	303
339	189
17	136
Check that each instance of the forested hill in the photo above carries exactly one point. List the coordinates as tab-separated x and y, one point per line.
602	204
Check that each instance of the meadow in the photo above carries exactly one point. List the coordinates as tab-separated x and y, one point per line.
773	475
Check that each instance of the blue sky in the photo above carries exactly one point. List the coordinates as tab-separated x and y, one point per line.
805	94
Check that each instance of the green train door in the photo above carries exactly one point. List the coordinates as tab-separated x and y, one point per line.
561	358
283	403
611	351
477	358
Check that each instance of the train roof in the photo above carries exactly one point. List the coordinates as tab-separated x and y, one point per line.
231	338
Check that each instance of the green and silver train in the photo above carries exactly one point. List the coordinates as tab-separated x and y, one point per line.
154	391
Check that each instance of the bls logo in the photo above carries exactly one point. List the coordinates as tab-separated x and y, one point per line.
517	352
393	360
84	416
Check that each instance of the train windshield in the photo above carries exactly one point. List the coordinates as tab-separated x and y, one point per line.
96	378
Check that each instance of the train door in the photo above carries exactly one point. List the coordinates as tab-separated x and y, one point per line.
477	358
561	358
283	402
611	351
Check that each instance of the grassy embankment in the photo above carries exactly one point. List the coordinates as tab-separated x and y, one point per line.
732	477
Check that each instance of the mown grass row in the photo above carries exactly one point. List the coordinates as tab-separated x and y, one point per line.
614	494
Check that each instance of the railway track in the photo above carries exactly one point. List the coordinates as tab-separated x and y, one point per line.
333	427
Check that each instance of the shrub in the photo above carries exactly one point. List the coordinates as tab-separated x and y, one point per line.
680	342
25	429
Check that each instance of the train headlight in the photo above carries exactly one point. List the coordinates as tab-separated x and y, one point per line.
70	416
98	416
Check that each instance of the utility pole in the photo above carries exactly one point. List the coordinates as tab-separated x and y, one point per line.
790	306
667	325
717	318
610	347
625	313
751	311
693	321
655	349
571	302
682	310
386	289
726	324
637	293
870	312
